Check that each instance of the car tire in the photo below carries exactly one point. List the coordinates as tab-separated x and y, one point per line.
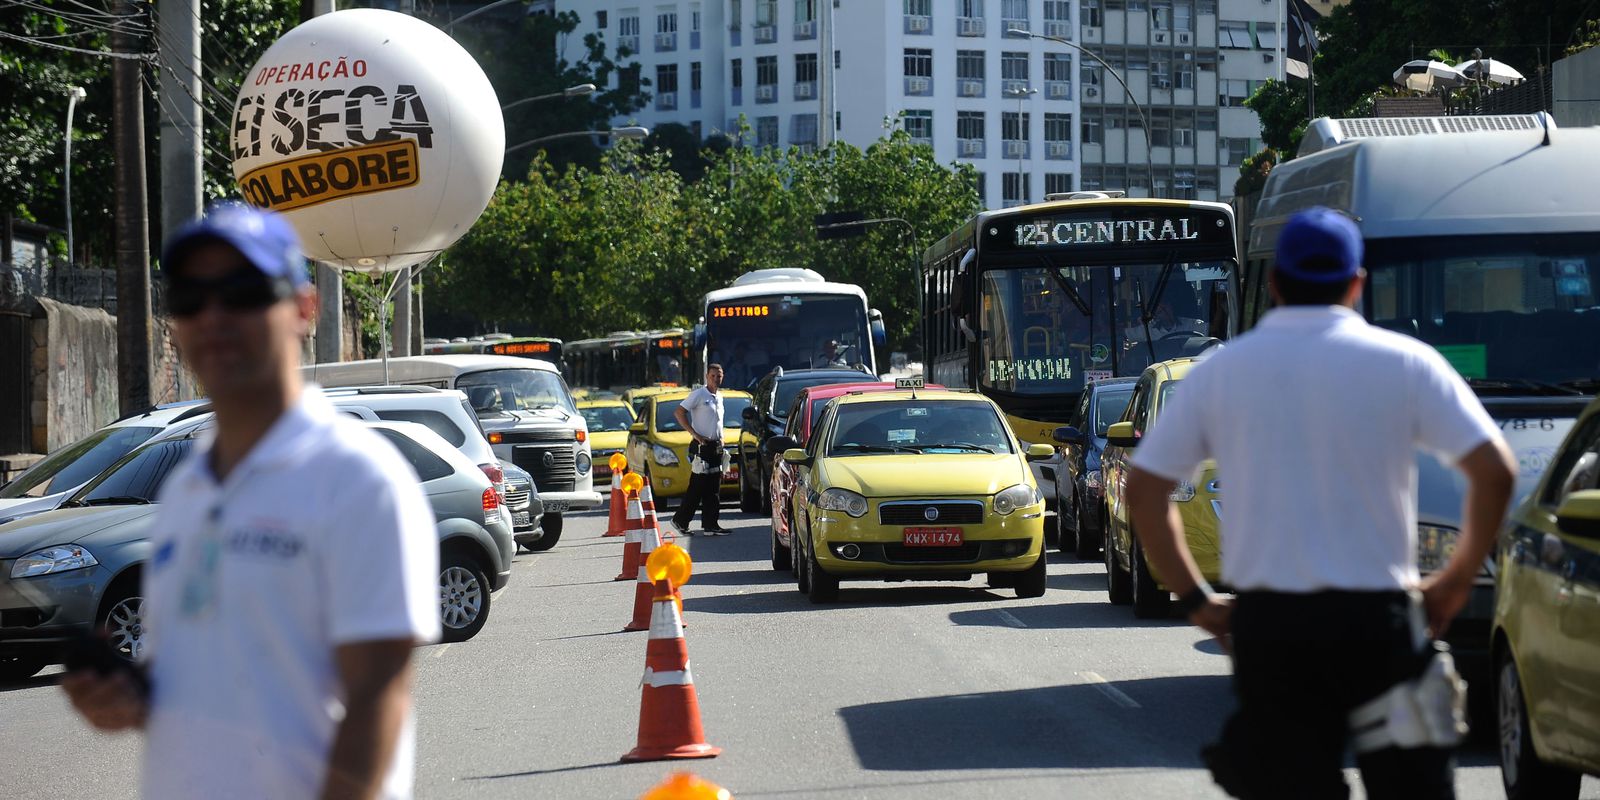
1085	545
1150	600
121	617
749	501
16	669
802	572
1117	588
821	587
552	524
1066	538
782	557
1033	581
1524	776
463	595
765	494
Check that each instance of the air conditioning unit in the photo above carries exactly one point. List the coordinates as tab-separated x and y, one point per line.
1091	34
666	41
766	93
969	26
1160	37
666	101
1162	83
1058	149
1016	149
919	85
805	90
1014	87
765	33
918	24
1060	90
1185	38
1058	28
629	43
972	147
805	30
971	88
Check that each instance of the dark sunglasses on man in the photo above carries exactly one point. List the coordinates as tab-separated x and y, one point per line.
245	289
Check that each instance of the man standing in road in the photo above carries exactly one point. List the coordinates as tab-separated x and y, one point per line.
294	560
701	415
1314	419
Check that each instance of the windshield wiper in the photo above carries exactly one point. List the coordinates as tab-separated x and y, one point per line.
874	448
1523	383
118	500
954	446
1584	385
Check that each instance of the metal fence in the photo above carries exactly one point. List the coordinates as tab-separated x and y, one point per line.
1526	97
66	283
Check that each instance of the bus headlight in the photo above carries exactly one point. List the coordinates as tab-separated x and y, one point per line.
584	463
664	455
1020	496
843	500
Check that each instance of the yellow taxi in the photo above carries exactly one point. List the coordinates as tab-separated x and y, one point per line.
1546	640
919	485
659	447
1129	577
636	397
609	421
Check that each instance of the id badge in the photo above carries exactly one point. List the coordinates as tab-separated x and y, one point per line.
200	568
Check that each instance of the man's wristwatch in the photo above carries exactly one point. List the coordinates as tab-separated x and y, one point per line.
1192	600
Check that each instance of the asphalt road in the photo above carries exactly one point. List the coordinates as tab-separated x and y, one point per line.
898	691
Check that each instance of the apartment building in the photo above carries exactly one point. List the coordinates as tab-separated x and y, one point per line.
1032	116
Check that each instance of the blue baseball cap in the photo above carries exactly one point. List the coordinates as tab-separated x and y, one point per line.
1320	245
264	238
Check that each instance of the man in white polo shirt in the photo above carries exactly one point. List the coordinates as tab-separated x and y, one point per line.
294	560
1314	419
701	415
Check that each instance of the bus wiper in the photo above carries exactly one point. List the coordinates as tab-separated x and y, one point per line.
117	500
1072	294
954	446
1144	317
1523	383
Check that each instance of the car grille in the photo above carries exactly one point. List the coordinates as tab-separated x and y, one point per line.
951	512
518	496
560	475
964	554
526	437
602	462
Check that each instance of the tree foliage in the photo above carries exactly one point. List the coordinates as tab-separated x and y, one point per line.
575	252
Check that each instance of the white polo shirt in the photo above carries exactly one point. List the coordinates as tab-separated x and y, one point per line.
1314	419
704	408
320	537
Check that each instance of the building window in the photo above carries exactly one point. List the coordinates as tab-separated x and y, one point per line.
1161	71
919	17
1092	131
1014	66
1014	126
1235	151
969	64
1161	16
1183	16
1013	14
805	76
666	87
667	31
1093	14
1206	120
1160	131
803	131
628	34
736	80
1057	183
979	184
1015	189
919	8
805	19
1266	35
767	79
600	20
969	134
766	28
1092	180
1058	136
969	8
1232	35
694	128
1058	76
628	79
1183	78
694	84
735	13
969	18
919	123
919	71
1233	92
766	131
694	28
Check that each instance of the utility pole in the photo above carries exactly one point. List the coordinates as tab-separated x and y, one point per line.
178	39
825	128
400	325
330	282
132	217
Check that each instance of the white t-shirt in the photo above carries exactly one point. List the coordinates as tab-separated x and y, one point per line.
321	536
1314	419
705	413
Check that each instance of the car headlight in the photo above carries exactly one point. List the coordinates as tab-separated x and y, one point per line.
1092	479
61	558
584	463
664	455
1015	497
1183	493
843	500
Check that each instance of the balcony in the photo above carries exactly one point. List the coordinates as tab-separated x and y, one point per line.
969	26
666	101
970	148
919	24
1058	90
919	85
629	43
767	93
1058	151
805	90
666	42
1059	28
765	34
805	30
1016	148
970	87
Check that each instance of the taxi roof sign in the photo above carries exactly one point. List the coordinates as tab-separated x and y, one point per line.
909	383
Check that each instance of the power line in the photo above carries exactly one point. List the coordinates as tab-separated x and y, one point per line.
83	51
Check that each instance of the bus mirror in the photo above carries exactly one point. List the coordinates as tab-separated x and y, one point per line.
1220	322
879	335
699	334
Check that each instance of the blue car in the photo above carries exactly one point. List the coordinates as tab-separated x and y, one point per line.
1080	495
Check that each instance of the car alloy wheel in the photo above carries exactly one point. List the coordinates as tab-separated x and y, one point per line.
460	597
1524	775
124	625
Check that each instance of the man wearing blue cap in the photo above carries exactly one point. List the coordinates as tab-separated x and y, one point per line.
1314	419
294	563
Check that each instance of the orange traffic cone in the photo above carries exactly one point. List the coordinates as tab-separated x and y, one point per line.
649	540
669	712
616	525
686	786
630	549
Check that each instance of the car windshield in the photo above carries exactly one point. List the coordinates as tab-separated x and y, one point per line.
1108	408
1049	331
138	477
496	390
667	413
918	426
75	464
1510	313
607	418
788	389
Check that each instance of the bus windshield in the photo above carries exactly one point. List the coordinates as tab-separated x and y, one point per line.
749	337
1514	313
1046	331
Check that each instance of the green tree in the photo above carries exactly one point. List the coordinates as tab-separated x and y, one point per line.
1282	108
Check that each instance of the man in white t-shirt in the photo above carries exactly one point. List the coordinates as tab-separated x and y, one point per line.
701	415
1314	419
294	559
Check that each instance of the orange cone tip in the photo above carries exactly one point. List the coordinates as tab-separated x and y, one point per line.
632	482
686	786
618	462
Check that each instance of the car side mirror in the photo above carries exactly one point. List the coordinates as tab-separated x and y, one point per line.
779	444
639	428
795	455
1040	451
1066	434
1579	514
749	413
1121	434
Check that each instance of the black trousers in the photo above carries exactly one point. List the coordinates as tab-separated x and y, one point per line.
1301	663
705	491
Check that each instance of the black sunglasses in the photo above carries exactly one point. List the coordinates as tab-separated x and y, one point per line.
240	291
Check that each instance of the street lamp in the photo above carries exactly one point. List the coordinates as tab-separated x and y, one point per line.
475	12
1021	94
74	95
571	91
630	132
1022	33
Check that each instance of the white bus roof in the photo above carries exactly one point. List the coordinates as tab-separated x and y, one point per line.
1499	181
415	369
753	290
780	274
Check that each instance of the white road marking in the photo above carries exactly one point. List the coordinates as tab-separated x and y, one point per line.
1104	686
440	652
1011	619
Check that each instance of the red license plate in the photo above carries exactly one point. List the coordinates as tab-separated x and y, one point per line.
933	537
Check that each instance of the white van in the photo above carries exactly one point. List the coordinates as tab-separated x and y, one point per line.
525	407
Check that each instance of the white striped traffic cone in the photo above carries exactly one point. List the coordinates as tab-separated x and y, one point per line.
669	711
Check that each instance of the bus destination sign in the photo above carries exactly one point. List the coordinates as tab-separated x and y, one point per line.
521	348
726	312
1108	230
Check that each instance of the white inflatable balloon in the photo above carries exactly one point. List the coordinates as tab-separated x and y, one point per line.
377	135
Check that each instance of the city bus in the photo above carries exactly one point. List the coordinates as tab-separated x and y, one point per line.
1482	240
789	318
498	344
1031	304
629	359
